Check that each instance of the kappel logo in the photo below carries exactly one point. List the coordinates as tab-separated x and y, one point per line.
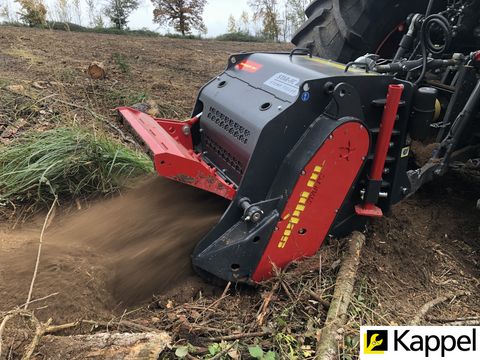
375	341
419	342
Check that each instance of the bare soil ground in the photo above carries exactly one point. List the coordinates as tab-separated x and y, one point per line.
125	262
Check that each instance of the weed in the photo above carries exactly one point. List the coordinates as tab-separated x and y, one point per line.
122	97
121	62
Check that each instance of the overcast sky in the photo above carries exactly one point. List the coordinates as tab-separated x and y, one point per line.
215	15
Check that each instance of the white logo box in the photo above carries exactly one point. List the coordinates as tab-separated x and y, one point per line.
425	342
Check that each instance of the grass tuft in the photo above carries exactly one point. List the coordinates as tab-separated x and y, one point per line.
70	163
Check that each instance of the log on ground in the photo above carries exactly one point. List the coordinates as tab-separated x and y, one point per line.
104	345
327	346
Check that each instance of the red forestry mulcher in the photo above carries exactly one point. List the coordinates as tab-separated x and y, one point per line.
315	142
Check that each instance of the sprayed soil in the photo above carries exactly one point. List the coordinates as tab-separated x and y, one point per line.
117	254
114	255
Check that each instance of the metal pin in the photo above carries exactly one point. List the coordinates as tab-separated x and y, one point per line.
186	130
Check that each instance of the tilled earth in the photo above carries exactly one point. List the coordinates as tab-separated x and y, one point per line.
128	258
44	82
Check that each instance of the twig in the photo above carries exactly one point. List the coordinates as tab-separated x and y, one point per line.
316	297
39	252
39	299
266	303
39	332
240	336
287	290
224	295
57	328
429	305
4	323
470	318
471	322
197	327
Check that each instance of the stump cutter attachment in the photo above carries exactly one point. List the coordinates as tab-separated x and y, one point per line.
292	142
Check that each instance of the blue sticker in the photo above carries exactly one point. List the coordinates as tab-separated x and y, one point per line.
305	96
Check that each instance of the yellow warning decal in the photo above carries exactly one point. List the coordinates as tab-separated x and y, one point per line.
300	207
315	175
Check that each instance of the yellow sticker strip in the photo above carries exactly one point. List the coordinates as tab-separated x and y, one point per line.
300	207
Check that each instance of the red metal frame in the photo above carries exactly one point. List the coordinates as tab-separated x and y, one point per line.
170	144
316	199
383	143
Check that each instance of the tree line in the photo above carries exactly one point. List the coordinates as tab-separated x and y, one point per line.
272	19
278	19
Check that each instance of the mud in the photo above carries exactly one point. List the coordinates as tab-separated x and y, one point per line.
114	255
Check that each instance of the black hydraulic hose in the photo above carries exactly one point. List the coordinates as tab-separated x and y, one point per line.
408	65
426	42
429	8
450	143
444	25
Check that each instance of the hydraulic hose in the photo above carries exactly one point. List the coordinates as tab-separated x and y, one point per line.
426	43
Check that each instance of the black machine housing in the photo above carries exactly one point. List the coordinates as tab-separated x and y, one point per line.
256	113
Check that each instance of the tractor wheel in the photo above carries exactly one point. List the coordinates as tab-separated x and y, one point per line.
343	30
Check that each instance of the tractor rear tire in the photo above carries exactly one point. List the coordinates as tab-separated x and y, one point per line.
343	30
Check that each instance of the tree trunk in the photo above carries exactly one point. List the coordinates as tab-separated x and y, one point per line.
97	70
146	346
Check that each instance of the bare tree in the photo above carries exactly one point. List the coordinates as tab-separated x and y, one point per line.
62	11
119	10
183	15
244	22
295	13
232	25
92	11
6	12
267	10
95	18
78	11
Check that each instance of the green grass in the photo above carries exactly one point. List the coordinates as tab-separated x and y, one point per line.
66	162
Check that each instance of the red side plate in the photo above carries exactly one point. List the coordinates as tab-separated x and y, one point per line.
169	142
316	198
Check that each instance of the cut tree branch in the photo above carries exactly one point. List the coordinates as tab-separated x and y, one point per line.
327	346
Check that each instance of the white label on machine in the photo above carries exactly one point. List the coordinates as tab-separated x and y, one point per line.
285	83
